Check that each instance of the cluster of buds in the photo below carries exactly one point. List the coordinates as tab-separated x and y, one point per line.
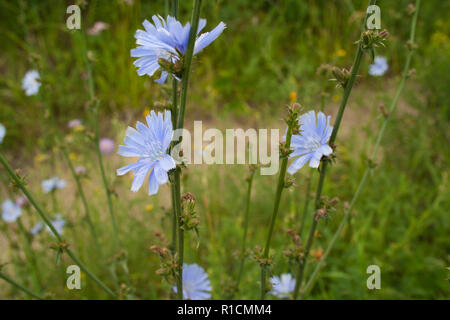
189	217
295	252
284	150
384	111
341	76
289	182
326	206
411	45
324	69
168	267
176	68
411	9
372	39
292	117
258	256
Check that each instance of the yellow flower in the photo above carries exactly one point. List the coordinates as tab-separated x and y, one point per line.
146	111
79	128
341	53
72	156
149	207
336	98
293	96
38	159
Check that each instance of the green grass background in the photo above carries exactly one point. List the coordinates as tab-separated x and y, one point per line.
244	79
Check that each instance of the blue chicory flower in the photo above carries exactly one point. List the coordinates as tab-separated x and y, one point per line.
31	83
58	223
379	67
53	184
311	143
37	228
282	286
196	285
168	39
2	132
10	211
150	144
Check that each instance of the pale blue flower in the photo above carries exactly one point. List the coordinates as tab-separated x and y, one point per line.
2	132
31	83
282	286
10	211
53	184
58	223
168	39
37	228
379	67
196	285
150	144
107	146
311	143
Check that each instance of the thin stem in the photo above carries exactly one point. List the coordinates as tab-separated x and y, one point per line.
369	168
307	201
347	91
83	198
188	60
104	179
19	183
30	256
180	122
244	237
173	248
20	287
276	206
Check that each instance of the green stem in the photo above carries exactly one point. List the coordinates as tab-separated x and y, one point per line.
20	287
83	198
374	153
244	237
30	256
347	91
307	201
180	122
19	183
276	206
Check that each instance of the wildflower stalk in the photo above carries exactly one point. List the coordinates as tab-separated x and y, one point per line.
83	198
30	256
19	286
62	244
180	122
280	187
370	165
307	201
347	90
97	142
244	237
174	113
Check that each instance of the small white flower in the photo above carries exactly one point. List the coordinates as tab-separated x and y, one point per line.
379	67
282	286
53	184
10	211
31	83
2	132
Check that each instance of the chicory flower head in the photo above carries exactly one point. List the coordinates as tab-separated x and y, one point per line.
150	143
379	67
282	286
166	41
53	184
37	228
10	211
196	285
311	143
2	132
31	83
58	223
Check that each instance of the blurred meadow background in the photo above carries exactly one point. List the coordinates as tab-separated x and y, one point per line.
268	57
